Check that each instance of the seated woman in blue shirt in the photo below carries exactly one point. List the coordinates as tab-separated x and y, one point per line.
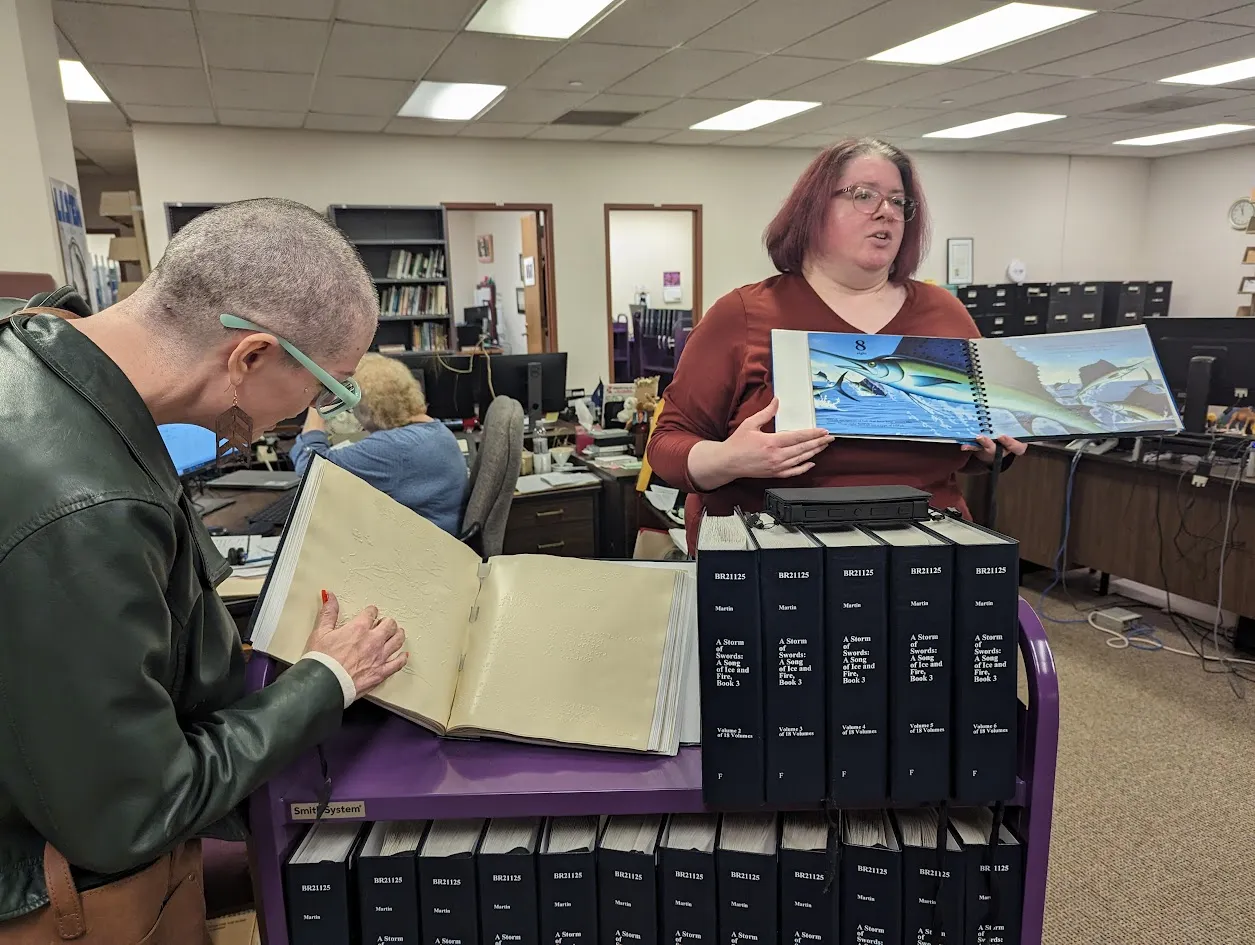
407	454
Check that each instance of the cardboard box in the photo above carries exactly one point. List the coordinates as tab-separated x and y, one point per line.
117	203
124	249
241	928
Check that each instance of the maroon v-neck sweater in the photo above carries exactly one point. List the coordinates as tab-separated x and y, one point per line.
724	376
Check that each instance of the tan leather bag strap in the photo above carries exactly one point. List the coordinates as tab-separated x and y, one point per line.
38	310
63	896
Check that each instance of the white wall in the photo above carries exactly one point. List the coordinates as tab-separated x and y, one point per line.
643	245
1188	238
1012	205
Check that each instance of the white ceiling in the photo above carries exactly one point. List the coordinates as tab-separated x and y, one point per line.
348	65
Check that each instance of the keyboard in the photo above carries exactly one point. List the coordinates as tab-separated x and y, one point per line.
277	512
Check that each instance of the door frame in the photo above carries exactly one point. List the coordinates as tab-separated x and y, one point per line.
696	210
550	343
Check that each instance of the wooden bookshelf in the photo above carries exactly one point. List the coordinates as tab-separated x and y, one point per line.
417	300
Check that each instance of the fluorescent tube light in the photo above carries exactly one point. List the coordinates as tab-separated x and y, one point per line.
538	19
991	126
77	84
1189	134
753	115
1217	75
1001	27
450	101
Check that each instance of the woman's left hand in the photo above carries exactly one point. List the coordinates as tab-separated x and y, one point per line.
984	450
313	421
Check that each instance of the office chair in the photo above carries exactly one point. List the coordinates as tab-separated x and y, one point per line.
493	477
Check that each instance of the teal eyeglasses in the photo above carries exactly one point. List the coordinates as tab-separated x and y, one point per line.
335	398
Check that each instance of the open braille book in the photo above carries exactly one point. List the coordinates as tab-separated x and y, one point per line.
531	648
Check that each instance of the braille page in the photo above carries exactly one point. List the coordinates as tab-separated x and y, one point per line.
581	667
369	549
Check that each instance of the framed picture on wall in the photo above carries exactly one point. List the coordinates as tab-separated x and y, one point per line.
1247	286
959	253
1249	258
483	248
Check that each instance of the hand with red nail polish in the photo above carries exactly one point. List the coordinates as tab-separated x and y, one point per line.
369	647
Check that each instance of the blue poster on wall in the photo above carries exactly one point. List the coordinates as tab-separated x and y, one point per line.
73	235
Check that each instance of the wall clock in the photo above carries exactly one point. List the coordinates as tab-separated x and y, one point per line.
1241	213
1017	271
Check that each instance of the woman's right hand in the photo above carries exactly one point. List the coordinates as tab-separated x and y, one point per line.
752	454
369	647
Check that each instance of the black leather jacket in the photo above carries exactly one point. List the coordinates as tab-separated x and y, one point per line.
124	727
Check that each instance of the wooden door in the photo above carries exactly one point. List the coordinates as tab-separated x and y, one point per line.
533	294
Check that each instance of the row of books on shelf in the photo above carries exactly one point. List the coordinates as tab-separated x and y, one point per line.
856	665
429	336
412	300
865	877
426	264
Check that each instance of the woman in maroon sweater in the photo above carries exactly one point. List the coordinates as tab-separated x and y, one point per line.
846	243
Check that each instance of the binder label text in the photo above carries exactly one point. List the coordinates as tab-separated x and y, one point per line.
315	887
387	880
724	576
859	572
935	569
621	874
877	870
793	575
1001	569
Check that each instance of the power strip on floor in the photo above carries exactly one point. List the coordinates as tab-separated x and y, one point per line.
1115	619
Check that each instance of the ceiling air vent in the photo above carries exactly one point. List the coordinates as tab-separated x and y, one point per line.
594	117
1169	103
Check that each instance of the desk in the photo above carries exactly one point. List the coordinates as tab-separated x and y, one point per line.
619	514
1119	511
564	521
234	517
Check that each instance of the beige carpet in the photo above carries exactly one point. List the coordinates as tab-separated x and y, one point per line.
1154	824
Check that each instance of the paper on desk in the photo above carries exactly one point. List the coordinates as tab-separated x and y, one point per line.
569	478
679	538
662	497
526	484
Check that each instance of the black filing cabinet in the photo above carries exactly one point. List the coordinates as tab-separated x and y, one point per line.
1123	303
1064	311
1158	295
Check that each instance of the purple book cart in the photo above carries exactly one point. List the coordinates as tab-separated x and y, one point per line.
397	771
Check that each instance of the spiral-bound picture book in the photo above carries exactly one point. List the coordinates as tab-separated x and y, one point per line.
1106	382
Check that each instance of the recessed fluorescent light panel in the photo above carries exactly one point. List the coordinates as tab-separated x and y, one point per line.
537	19
1189	134
753	115
450	101
1217	75
991	126
77	84
1007	24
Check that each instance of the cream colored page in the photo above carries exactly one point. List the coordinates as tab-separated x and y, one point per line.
369	549
566	650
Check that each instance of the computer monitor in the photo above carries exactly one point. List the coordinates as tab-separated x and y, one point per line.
1205	361
450	382
191	448
514	376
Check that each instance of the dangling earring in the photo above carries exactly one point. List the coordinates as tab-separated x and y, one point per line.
234	430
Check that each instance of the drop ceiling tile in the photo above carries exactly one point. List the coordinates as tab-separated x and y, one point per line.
628	103
632	135
1175	39
1056	96
416	14
1092	32
90	141
167	114
154	85
913	122
254	118
661	23
933	83
262	43
96	116
595	66
1141	94
382	52
684	113
884	26
1241	16
163	4
811	142
767	77
122	35
849	80
1196	9
423	126
261	91
768	25
497	129
500	60
338	95
1001	85
533	106
823	118
319	121
681	71
756	139
1180	63
64	49
299	9
694	137
566	132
